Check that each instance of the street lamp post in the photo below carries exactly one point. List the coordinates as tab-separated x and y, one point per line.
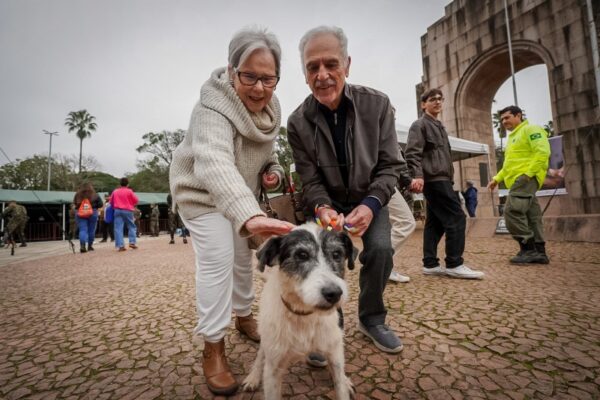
50	154
510	53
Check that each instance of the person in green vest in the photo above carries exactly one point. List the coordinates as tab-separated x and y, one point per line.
525	165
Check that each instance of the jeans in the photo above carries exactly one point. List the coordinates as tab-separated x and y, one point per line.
124	217
87	228
377	263
444	215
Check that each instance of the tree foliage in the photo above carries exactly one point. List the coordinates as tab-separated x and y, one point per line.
161	146
549	127
153	171
150	177
83	124
284	150
32	174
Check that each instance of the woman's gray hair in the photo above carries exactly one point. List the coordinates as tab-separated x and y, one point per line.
321	30
249	39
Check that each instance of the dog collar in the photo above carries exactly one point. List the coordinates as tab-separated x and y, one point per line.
289	307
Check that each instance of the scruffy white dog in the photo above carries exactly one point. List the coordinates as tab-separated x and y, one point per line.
298	306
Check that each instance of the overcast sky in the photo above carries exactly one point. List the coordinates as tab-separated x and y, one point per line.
138	65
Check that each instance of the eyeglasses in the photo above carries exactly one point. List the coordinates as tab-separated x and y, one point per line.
435	99
250	79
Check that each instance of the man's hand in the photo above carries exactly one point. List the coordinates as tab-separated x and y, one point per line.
270	180
264	226
330	217
416	185
492	185
360	218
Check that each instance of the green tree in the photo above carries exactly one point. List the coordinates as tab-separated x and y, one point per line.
283	150
549	127
161	146
83	124
30	174
150	177
153	171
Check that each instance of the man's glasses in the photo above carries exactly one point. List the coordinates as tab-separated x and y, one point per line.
435	99
250	79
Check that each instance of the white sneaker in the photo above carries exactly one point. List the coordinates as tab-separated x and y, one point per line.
434	271
464	272
398	277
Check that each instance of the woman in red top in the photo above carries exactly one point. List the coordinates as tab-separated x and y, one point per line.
123	201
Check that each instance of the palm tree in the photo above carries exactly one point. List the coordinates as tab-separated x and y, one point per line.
83	124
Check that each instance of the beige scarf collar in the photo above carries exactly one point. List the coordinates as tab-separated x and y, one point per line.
264	120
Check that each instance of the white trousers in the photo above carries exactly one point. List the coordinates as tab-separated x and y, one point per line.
402	220
223	274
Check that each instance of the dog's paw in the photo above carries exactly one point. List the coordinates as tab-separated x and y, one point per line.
250	384
351	388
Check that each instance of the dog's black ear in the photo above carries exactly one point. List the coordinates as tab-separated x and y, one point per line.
268	253
351	251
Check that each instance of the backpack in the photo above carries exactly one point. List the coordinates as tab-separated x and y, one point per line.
85	209
109	213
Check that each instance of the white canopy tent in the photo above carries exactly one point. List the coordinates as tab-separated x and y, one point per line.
461	148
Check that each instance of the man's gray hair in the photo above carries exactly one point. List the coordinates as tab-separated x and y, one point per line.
322	30
249	39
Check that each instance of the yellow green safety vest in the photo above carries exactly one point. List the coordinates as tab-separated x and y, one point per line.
527	152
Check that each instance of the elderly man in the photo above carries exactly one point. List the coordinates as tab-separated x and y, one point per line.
343	141
523	172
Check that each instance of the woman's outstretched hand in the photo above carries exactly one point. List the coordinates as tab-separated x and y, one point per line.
264	226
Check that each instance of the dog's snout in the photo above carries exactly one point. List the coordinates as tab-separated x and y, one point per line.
332	293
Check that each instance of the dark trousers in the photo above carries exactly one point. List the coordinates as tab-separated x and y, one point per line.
444	216
377	263
108	229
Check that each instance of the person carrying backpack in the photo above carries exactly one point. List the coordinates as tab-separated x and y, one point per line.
87	203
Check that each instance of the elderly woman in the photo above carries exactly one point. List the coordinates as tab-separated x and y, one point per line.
215	179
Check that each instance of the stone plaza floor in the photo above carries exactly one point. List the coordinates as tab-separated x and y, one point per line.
109	325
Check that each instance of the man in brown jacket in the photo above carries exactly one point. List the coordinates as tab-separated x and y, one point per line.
344	145
430	164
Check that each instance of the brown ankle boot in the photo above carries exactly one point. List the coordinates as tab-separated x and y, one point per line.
219	378
248	326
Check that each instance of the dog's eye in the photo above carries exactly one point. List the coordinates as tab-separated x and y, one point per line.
337	255
302	255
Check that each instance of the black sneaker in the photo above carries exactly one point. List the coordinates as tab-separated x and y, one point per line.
316	360
172	241
90	248
383	338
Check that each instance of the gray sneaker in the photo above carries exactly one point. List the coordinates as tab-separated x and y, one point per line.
316	360
383	338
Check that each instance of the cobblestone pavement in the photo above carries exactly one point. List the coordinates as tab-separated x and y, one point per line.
108	325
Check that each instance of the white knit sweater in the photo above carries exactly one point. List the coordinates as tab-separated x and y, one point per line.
217	166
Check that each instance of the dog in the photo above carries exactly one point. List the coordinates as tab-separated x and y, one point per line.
298	306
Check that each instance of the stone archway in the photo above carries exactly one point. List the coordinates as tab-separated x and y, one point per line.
466	55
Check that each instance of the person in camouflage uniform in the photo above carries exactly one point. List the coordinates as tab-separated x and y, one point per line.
174	221
16	216
137	215
154	219
72	222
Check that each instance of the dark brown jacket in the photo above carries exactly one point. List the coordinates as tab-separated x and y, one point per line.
428	150
371	146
